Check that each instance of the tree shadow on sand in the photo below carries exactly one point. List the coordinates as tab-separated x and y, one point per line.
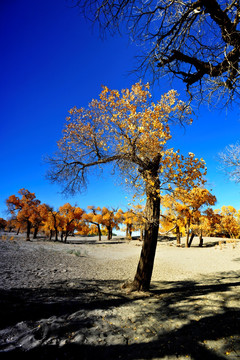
194	319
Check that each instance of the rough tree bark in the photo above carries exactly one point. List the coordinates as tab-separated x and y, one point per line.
152	212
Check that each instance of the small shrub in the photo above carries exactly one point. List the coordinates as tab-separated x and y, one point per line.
74	252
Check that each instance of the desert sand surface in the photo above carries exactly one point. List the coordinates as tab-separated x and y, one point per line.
65	301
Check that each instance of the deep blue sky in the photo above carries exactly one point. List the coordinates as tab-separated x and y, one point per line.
52	59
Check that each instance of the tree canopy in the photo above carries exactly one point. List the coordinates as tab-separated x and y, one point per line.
197	41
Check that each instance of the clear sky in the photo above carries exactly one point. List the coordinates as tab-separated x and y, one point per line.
51	59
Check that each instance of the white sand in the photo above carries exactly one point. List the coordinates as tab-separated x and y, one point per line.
57	296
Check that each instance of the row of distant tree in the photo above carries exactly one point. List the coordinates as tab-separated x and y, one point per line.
184	213
29	215
191	213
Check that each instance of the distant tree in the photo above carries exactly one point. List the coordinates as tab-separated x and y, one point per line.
186	208
95	217
70	216
207	224
133	220
13	224
111	219
197	41
24	208
52	221
38	217
129	131
230	221
173	218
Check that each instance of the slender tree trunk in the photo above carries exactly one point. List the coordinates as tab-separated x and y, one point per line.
56	235
130	231
200	239
35	232
109	229
178	235
187	233
191	239
66	235
18	230
28	230
99	232
50	235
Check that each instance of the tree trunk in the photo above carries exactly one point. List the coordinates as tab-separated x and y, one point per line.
18	230
109	229
152	212
178	235
187	233
99	232
145	266
50	235
200	239
130	231
66	235
35	232
56	235
191	239
28	230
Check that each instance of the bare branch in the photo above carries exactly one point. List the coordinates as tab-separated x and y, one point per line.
196	41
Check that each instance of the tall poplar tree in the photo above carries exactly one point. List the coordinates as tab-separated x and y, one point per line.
129	131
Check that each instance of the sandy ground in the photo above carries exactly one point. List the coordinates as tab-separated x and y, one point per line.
64	301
